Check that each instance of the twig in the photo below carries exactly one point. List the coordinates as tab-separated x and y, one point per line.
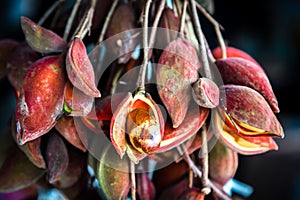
154	26
201	38
57	13
71	19
182	21
142	73
87	21
199	174
217	27
204	161
133	183
191	177
49	11
107	20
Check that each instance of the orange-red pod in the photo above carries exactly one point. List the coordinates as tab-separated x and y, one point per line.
42	98
232	52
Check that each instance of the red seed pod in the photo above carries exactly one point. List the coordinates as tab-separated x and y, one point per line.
247	124
170	24
77	103
240	71
31	149
232	52
41	39
66	127
114	181
206	93
223	163
145	187
18	63
80	70
41	100
57	157
177	70
123	44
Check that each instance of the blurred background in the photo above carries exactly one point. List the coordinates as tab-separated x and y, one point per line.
268	30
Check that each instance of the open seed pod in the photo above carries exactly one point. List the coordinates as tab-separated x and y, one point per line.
177	69
247	124
140	120
80	70
41	39
240	71
41	100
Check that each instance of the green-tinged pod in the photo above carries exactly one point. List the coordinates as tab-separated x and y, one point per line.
223	163
112	174
41	39
177	70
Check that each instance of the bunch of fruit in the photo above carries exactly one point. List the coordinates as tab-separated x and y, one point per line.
133	104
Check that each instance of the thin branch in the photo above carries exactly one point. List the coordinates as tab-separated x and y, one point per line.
217	27
87	21
57	13
154	26
204	162
201	38
49	11
191	178
71	19
197	171
182	21
133	182
142	73
107	20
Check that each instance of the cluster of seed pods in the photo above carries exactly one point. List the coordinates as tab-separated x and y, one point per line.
62	103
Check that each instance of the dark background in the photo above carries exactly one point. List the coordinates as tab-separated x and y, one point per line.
269	31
